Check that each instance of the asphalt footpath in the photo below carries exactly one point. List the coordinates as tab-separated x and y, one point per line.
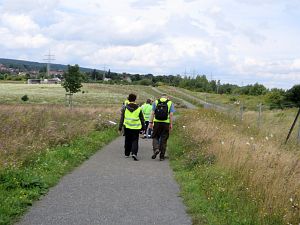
109	189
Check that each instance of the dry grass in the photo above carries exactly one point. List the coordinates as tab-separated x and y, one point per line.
27	129
270	174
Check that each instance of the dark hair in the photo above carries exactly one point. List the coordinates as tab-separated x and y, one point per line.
148	101
131	97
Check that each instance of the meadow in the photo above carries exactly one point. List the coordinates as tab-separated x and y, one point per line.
230	168
236	174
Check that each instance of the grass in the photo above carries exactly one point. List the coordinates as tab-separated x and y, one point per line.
26	130
19	187
229	174
92	94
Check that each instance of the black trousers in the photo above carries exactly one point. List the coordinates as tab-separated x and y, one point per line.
131	141
160	137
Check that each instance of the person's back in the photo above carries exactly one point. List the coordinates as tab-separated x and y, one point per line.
147	108
133	121
162	117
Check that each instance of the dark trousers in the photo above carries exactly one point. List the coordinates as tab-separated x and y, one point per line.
160	137
131	141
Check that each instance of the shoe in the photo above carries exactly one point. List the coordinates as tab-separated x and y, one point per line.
135	158
155	154
126	156
162	159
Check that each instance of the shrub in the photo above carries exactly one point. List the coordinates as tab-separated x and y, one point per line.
25	98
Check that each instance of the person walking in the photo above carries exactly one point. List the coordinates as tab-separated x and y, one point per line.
161	121
146	109
133	120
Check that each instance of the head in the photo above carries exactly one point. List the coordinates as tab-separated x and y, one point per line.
148	101
164	96
132	97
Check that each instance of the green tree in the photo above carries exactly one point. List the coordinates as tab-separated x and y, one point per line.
293	95
72	81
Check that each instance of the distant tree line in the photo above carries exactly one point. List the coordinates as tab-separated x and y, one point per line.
275	98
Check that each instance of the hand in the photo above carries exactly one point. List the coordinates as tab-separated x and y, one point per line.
171	127
120	132
150	125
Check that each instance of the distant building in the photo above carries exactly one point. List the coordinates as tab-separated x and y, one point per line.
45	81
33	81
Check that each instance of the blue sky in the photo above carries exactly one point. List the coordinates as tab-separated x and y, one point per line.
236	41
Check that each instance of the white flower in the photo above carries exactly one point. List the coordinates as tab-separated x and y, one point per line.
222	142
234	125
183	127
251	138
291	199
247	143
271	135
267	138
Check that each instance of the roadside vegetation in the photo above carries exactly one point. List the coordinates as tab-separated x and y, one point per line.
232	174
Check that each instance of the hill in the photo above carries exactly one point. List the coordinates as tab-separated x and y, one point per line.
29	65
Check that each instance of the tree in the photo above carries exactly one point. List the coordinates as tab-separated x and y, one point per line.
293	95
72	81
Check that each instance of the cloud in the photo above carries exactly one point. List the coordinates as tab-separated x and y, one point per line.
257	42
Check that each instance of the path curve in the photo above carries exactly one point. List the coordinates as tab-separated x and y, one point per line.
186	103
109	189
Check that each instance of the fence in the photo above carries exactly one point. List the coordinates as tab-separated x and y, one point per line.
276	121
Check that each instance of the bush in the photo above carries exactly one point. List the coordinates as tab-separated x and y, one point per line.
25	98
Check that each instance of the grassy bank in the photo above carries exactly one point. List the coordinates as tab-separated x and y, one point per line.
26	130
19	187
230	175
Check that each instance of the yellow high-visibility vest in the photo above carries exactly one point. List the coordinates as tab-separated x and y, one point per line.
132	119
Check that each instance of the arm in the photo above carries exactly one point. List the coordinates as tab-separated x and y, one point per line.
142	120
121	119
151	120
171	120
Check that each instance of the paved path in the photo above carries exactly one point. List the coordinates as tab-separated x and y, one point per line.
109	189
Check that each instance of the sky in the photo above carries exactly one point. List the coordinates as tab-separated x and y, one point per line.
235	41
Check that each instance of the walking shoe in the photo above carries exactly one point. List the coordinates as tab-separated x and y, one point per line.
162	159
126	156
135	158
155	154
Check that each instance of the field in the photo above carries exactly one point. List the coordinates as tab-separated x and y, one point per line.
262	174
231	173
91	94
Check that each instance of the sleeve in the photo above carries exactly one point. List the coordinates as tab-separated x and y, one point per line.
172	109
153	106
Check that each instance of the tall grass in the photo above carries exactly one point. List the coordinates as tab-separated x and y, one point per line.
26	130
268	172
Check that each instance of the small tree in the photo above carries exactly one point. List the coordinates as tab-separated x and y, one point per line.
72	81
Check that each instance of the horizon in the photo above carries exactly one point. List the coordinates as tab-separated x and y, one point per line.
235	41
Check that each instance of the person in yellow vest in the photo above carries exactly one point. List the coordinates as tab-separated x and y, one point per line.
133	120
161	120
146	109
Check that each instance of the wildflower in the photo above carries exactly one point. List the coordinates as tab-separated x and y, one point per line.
271	135
247	143
291	199
222	142
251	138
267	138
183	127
234	125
